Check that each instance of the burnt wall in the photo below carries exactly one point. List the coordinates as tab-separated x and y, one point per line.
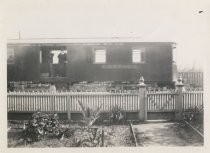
119	66
81	67
26	66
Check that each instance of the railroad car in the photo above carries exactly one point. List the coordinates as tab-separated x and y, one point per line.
77	60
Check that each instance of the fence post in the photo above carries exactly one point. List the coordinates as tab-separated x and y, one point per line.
178	104
52	91
142	100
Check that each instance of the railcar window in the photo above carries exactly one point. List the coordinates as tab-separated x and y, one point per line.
100	55
138	56
40	56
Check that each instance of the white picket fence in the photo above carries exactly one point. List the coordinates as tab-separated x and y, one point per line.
68	101
191	99
161	101
61	102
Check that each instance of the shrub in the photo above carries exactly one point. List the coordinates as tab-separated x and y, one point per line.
90	115
40	126
194	114
117	115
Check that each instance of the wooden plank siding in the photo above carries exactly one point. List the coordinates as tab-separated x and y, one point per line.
192	78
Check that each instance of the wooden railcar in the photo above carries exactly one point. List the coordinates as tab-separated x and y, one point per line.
90	60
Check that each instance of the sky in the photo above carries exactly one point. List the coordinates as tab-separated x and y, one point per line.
149	20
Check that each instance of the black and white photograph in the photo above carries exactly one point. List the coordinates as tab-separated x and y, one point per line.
104	74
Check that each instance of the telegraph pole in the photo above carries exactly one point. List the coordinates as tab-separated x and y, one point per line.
19	34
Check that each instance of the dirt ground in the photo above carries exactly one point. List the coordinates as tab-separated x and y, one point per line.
117	135
166	134
147	134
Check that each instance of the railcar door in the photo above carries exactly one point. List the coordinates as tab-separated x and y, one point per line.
53	62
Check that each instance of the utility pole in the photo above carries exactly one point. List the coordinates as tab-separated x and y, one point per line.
19	34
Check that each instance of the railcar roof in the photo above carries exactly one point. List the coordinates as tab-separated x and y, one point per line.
80	40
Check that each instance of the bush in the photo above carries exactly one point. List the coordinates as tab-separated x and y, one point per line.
40	126
117	115
90	115
194	114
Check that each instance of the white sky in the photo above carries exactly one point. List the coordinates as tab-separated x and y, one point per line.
150	20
